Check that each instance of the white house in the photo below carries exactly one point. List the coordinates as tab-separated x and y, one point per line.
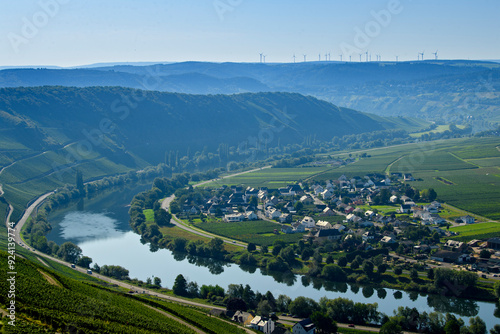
327	212
306	199
327	194
305	326
468	219
393	199
308	222
262	324
235	217
323	225
273	213
387	240
251	215
318	190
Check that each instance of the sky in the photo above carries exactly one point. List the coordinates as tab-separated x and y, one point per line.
71	32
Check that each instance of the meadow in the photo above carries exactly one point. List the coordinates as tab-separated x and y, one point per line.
464	171
476	231
259	232
270	177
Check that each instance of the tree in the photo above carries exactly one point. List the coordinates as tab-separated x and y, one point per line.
303	306
263	308
453	324
96	268
264	249
157	281
180	286
192	289
485	254
216	247
69	252
162	217
342	261
496	289
288	254
398	270
381	268
282	303
329	259
236	304
368	267
477	326
298	206
414	274
251	247
430	274
333	272
84	262
324	325
495	330
390	327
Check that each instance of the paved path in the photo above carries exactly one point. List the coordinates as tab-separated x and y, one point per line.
177	222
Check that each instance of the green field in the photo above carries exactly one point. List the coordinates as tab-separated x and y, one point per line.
149	214
439	129
270	177
476	231
471	186
259	232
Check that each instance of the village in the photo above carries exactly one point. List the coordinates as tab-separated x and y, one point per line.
345	209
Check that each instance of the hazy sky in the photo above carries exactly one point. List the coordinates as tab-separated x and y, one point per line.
71	32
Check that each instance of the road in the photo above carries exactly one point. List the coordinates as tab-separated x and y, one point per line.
165	204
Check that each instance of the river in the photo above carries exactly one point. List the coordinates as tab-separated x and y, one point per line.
100	227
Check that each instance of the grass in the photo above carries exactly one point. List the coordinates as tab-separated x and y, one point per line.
477	230
149	214
468	163
177	232
270	177
259	232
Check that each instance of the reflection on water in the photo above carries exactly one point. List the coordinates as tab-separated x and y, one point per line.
103	233
84	226
461	306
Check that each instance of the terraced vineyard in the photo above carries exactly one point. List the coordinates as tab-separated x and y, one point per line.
259	232
63	304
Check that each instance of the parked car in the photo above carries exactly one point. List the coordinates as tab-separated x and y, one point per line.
73	266
89	272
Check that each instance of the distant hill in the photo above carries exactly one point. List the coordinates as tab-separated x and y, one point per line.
46	133
45	117
439	90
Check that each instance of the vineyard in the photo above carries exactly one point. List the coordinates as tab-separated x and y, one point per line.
74	306
259	232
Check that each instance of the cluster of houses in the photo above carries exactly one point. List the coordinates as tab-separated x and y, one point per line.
266	324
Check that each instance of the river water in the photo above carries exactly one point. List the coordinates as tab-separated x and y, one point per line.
100	227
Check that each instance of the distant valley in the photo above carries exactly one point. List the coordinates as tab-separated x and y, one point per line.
443	91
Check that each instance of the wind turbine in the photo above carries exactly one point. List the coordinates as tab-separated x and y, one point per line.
340	57
435	54
360	57
264	56
366	55
294	58
329	56
261	56
422	53
305	58
319	57
397	58
349	58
